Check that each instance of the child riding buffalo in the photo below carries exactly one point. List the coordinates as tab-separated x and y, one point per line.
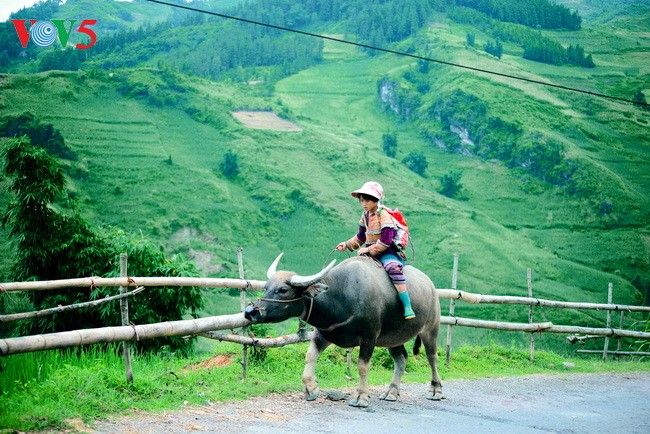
377	229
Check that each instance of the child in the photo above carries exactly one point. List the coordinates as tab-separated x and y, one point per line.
377	229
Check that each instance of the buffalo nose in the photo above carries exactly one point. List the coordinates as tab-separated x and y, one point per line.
250	312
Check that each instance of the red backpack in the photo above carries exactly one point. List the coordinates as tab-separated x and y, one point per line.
402	236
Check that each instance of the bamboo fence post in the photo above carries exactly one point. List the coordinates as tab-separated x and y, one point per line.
452	306
124	311
530	314
610	290
244	353
618	338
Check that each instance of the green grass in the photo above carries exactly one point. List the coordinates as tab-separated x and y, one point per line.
50	390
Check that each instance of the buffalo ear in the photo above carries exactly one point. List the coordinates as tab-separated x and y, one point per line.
315	289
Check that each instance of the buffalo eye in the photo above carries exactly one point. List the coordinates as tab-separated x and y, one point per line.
283	290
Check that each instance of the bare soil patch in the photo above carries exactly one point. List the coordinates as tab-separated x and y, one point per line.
265	121
214	362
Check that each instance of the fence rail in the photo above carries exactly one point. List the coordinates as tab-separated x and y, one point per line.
210	326
76	338
90	282
451	294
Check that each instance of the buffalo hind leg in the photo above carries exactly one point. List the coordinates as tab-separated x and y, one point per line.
360	398
399	358
430	344
316	346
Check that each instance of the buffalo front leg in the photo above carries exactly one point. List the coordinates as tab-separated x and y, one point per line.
360	398
399	358
309	381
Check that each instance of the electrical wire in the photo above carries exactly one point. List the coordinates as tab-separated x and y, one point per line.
400	53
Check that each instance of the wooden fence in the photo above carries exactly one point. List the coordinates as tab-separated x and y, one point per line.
209	326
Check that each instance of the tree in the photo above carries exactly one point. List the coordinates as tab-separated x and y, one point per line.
389	144
424	66
53	245
41	135
450	185
495	49
230	165
156	304
67	59
539	157
49	245
471	39
417	162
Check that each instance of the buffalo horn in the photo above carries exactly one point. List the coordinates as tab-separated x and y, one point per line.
273	268
310	280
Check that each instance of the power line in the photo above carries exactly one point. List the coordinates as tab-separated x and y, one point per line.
399	53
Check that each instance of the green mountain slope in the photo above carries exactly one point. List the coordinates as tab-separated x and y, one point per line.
150	144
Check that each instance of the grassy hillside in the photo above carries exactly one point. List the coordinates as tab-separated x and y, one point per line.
150	144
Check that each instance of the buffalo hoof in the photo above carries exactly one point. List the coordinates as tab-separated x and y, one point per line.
359	401
390	395
435	396
311	396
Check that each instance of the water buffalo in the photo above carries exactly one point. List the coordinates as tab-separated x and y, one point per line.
355	304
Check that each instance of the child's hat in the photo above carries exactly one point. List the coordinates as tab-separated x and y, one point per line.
371	188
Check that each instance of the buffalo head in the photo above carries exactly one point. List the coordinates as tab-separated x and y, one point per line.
284	294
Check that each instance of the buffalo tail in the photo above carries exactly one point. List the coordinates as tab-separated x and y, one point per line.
416	346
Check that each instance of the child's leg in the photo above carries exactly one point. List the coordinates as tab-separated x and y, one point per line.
395	268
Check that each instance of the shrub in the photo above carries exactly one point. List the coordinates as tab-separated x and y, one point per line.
495	49
389	144
155	304
539	157
230	165
471	39
450	185
417	162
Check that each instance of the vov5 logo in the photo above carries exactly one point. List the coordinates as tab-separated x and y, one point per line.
43	33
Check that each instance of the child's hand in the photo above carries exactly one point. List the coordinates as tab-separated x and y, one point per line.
363	251
341	247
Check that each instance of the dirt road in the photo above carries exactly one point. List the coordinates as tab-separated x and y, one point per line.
571	403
